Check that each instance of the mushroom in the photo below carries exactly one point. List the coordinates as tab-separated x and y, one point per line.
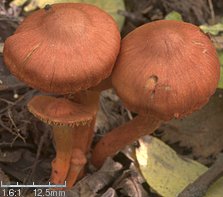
72	124
65	49
165	69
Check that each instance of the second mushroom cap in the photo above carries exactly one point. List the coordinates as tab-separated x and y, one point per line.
166	68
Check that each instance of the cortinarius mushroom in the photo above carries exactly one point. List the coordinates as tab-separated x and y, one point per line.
72	124
65	49
165	70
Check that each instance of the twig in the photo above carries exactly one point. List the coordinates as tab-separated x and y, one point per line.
1	47
7	101
200	186
16	128
136	17
9	130
93	183
129	114
22	99
212	11
43	139
17	145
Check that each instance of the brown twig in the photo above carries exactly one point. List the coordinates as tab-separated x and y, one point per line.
16	128
91	184
43	140
1	47
137	17
200	186
210	4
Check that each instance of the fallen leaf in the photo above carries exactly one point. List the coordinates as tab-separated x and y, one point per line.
212	29
18	2
220	85
110	6
220	55
91	184
130	183
110	193
166	172
174	16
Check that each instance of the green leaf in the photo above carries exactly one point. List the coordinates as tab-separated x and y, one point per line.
110	6
18	2
174	16
213	29
166	172
220	84
220	55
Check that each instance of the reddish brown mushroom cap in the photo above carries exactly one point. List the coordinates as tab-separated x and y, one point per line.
59	111
166	68
65	49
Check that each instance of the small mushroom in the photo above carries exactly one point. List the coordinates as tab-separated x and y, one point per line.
165	69
72	124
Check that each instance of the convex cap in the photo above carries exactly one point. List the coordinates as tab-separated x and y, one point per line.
60	111
166	68
63	49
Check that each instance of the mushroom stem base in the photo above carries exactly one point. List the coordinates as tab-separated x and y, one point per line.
61	164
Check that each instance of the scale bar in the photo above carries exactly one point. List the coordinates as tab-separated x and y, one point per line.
34	186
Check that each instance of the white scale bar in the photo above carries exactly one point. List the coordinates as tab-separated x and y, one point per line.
34	186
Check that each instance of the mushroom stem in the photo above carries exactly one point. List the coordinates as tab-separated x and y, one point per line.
60	165
103	85
83	135
78	161
81	139
91	100
119	137
73	128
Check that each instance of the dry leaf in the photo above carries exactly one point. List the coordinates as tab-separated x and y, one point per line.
166	172
130	183
220	55
90	185
110	6
110	193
